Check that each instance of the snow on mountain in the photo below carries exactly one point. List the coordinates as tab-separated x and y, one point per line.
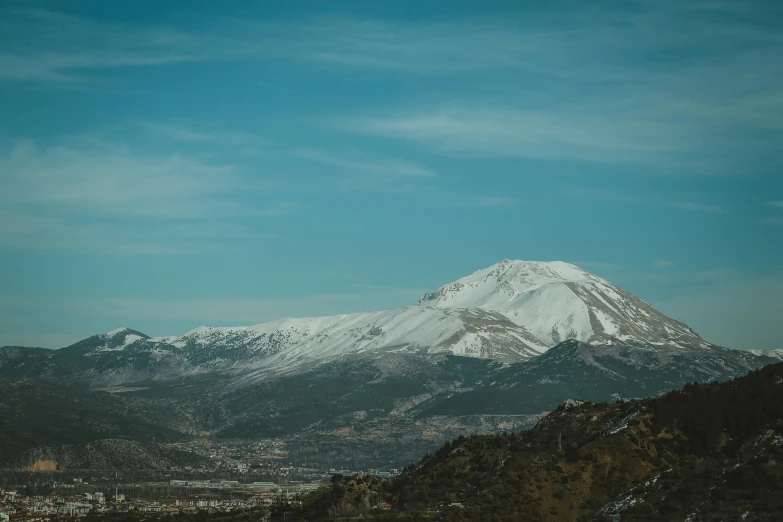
558	301
119	331
776	354
114	341
475	333
120	339
511	311
284	342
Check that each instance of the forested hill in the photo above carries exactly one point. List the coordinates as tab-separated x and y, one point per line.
75	428
707	452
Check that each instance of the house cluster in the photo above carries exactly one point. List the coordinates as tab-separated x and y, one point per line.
238	457
39	508
16	507
382	473
223	484
268	459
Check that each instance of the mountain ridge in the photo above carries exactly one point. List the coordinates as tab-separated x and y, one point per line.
511	311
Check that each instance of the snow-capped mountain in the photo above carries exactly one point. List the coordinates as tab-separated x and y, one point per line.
114	341
473	333
509	312
557	301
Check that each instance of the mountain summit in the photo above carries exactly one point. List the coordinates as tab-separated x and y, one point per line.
557	301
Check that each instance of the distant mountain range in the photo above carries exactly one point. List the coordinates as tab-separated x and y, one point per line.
511	341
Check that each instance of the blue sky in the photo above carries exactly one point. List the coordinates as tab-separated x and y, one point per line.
170	164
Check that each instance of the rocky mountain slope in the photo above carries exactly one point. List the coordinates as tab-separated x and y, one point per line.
707	452
574	369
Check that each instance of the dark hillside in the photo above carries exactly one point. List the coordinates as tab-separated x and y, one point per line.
37	413
707	452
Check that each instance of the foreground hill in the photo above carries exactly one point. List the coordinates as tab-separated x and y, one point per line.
707	452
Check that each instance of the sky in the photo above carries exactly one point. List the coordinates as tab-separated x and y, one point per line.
166	164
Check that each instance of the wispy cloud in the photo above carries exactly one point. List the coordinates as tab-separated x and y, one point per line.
353	169
663	264
698	207
64	48
104	195
663	85
195	133
39	339
363	165
653	199
97	192
446	47
599	265
484	202
111	178
775	221
137	313
717	310
59	229
715	273
603	194
342	169
530	133
68	48
666	84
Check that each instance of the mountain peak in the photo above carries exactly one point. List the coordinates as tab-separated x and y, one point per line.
116	331
501	282
123	332
531	272
556	301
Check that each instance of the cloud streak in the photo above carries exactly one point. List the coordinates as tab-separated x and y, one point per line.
716	311
484	202
663	264
659	84
144	314
65	46
494	131
698	207
357	163
108	196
